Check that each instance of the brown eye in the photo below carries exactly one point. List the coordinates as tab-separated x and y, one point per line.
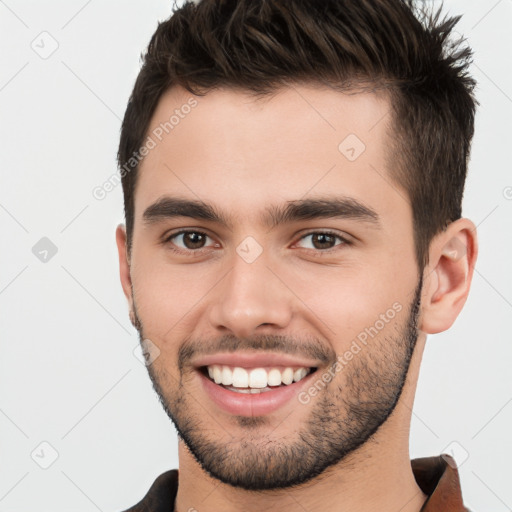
194	240
324	240
188	240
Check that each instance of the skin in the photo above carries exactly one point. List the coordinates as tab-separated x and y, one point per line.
243	155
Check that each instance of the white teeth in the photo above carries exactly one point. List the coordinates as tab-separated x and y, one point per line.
249	390
241	390
274	377
299	374
287	376
256	379
217	374
227	376
240	378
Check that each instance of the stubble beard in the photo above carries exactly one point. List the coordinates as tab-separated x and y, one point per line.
341	419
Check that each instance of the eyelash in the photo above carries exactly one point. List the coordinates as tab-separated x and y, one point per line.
193	252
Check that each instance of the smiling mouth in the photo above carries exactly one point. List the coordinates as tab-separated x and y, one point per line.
254	380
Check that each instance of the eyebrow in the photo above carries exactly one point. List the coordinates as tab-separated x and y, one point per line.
168	207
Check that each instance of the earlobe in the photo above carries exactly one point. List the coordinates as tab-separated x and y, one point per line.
124	264
448	275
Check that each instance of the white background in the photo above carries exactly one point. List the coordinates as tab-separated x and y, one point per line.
68	375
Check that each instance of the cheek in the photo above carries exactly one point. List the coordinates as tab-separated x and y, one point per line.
349	302
167	295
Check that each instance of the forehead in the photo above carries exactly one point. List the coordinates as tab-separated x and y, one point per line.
295	112
244	153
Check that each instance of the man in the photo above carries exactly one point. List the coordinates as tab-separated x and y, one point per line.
293	173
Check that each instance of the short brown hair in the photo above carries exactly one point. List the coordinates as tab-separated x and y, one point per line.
261	45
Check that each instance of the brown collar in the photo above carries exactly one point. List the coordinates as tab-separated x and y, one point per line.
438	478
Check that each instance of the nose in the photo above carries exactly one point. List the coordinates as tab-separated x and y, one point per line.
249	296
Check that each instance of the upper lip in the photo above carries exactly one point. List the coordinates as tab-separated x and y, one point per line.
251	360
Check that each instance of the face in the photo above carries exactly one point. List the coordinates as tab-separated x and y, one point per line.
271	244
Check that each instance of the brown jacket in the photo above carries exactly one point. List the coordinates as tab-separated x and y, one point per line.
437	477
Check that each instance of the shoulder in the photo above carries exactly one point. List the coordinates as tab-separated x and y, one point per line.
161	494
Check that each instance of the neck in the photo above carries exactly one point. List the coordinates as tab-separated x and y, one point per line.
375	478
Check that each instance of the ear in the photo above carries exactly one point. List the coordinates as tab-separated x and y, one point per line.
124	266
448	275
